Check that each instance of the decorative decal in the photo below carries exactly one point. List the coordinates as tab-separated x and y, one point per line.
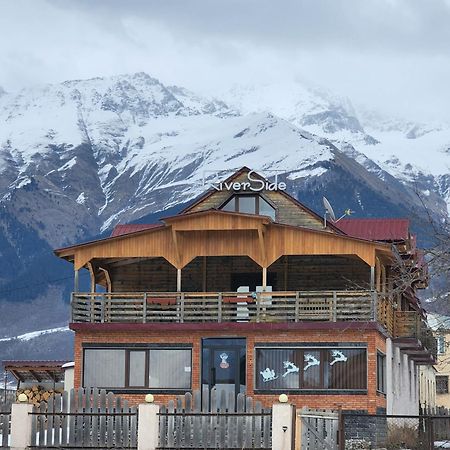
224	364
268	375
290	368
338	357
311	360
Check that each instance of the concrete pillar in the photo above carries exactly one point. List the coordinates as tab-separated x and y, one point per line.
21	426
282	426
148	426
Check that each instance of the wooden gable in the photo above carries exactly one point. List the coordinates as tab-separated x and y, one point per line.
289	211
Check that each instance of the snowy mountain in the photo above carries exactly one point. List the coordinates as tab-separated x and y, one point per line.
78	157
417	154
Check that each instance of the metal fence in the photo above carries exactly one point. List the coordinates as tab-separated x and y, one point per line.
226	424
393	432
85	418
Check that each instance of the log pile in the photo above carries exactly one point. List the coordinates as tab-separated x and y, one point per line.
37	394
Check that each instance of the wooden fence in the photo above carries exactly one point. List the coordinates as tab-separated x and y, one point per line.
5	428
223	307
85	418
224	424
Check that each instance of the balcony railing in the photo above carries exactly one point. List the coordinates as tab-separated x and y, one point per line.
410	324
187	307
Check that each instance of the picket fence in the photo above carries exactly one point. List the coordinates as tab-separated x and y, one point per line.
84	418
219	421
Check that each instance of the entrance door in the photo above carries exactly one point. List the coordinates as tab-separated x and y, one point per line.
223	365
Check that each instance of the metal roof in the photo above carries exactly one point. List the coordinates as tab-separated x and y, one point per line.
376	229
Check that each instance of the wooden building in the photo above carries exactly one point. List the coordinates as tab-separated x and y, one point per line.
247	290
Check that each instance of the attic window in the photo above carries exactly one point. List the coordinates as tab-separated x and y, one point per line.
249	204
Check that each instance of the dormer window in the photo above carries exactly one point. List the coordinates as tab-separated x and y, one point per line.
249	204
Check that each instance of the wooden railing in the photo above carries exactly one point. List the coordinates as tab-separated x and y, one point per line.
183	307
410	324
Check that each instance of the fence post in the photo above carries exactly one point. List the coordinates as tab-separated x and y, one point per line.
148	426
283	425
21	425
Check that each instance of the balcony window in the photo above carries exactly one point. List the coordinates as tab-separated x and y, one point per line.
143	368
249	204
311	369
441	384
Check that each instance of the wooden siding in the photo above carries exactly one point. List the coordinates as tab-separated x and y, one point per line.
240	236
288	210
215	274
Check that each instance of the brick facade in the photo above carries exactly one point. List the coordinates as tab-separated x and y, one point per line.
371	336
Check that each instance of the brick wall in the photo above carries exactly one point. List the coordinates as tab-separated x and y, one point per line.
373	338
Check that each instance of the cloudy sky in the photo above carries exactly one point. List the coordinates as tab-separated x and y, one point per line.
391	55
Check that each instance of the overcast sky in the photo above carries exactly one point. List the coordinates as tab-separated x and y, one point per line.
391	55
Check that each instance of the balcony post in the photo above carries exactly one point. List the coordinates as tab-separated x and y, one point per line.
372	278
374	296
178	280
144	308
264	279
76	281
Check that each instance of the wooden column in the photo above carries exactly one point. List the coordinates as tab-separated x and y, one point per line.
76	281
264	278
372	278
204	274
178	280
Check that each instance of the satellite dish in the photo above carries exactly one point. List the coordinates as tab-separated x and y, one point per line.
329	209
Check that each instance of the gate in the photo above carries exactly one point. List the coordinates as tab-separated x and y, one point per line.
316	430
227	424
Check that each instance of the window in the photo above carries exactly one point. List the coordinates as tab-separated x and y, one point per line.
381	372
441	345
441	384
143	368
311	368
249	204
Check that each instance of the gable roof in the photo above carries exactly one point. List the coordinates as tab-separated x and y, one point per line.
246	169
376	229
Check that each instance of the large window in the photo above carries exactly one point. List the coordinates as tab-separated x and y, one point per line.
330	368
137	368
441	384
249	204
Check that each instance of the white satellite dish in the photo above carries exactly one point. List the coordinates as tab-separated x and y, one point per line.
329	209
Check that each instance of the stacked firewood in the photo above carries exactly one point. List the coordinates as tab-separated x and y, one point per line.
37	394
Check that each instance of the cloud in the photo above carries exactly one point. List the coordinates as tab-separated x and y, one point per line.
392	54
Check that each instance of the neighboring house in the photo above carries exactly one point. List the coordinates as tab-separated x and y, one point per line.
247	290
441	327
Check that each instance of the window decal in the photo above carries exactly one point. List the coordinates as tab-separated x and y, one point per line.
224	364
338	357
290	368
311	361
268	375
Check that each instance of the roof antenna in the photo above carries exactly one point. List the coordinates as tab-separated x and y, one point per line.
329	210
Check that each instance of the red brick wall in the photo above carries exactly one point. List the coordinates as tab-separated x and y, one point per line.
373	338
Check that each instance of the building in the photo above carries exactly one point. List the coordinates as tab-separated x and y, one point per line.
247	290
440	324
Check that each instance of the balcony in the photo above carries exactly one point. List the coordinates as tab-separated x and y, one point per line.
189	307
412	334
